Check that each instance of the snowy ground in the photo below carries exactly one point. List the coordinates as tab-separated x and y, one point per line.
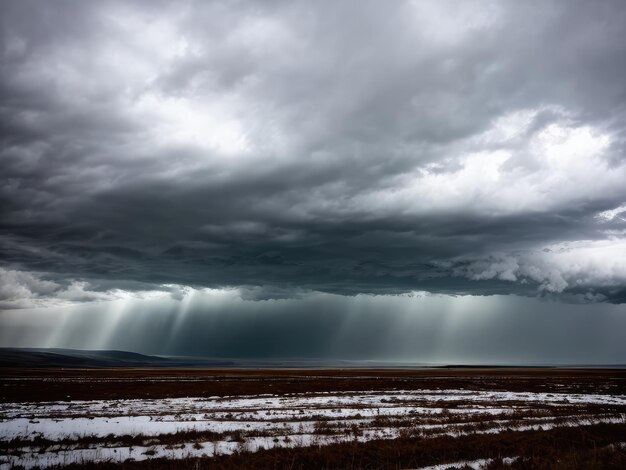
57	433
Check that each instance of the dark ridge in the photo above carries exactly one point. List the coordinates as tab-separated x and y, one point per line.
75	358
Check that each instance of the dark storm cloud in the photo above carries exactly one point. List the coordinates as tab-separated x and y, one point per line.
343	147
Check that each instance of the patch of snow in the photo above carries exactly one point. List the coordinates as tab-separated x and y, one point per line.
309	418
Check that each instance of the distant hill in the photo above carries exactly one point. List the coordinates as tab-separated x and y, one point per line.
76	358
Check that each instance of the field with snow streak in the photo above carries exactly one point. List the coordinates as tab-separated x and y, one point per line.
45	434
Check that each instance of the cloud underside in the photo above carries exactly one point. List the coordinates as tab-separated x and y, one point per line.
289	147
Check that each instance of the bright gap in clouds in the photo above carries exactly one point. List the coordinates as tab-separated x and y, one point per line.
184	123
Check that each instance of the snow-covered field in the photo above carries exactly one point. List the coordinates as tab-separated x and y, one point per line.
57	433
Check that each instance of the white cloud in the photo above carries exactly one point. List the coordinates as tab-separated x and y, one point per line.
608	215
20	289
558	165
179	121
447	24
582	264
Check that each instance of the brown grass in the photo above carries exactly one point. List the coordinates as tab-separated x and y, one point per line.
582	447
586	447
58	384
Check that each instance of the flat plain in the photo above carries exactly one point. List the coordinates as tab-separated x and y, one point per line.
313	418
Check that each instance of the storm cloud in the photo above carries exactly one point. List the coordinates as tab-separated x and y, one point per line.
289	148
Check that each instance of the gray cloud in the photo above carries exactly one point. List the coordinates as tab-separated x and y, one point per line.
284	147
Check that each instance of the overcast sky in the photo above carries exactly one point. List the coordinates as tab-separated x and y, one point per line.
314	157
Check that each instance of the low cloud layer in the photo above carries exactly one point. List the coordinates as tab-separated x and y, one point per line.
20	289
286	148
